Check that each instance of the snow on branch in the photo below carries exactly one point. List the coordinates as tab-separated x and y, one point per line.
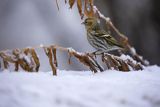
28	60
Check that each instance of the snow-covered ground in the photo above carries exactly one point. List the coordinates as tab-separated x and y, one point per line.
81	89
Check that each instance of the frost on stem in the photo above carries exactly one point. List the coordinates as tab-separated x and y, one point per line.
86	59
48	51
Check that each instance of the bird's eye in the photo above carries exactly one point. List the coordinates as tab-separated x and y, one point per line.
89	23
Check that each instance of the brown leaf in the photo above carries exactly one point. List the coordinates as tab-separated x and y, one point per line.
57	4
70	56
86	60
65	1
16	66
79	6
71	3
35	58
7	57
6	64
124	66
88	10
54	51
48	51
21	60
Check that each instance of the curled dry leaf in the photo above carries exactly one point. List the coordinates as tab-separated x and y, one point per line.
6	64
7	58
136	66
115	62
70	56
79	6
123	66
48	51
0	66
88	9
65	1
23	60
87	60
110	62
71	3
35	58
54	51
57	4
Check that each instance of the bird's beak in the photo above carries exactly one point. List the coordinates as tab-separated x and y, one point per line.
83	23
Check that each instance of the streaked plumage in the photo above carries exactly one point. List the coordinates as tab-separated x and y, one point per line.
98	38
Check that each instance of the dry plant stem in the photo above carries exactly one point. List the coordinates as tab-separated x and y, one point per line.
48	51
71	3
135	66
79	5
54	51
0	65
16	66
123	38
88	8
21	60
35	58
65	1
97	64
112	62
6	64
85	59
70	56
6	59
57	4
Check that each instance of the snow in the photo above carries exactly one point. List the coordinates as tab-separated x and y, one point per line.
126	57
81	89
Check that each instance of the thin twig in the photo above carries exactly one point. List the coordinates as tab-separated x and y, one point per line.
57	4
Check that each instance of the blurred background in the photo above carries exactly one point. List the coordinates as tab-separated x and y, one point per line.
26	23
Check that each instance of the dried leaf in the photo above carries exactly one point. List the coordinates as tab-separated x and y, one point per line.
70	56
0	65
65	1
54	51
71	3
88	10
86	60
96	63
16	66
35	58
48	51
6	64
79	6
7	57
26	51
110	61
21	59
134	66
123	66
57	4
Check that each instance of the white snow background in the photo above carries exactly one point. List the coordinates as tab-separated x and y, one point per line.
81	89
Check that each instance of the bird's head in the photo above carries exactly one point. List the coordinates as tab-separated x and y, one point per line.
90	23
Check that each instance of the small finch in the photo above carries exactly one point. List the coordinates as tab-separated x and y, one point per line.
101	40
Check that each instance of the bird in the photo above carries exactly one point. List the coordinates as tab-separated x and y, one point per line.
98	38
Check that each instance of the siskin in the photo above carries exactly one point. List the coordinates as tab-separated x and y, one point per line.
101	40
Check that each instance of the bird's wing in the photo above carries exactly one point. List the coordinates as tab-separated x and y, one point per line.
109	39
